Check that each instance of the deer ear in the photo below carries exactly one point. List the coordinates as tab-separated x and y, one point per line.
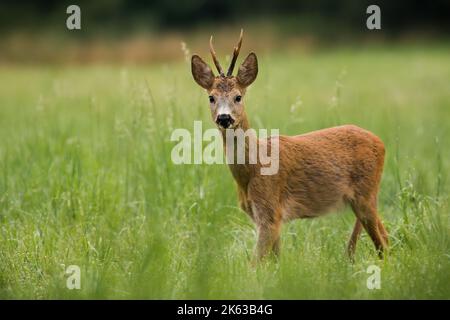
248	70
201	72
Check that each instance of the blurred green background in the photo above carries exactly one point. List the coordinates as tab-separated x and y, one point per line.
86	176
123	31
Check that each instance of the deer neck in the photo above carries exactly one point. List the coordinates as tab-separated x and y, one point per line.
242	172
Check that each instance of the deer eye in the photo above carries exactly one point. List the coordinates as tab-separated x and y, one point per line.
238	98
211	99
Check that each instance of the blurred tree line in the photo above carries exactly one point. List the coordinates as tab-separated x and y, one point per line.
121	16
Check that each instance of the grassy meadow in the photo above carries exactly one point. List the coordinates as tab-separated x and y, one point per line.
86	179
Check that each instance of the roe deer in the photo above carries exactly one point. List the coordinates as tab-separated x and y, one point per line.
318	171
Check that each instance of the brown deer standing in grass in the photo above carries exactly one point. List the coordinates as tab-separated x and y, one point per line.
318	171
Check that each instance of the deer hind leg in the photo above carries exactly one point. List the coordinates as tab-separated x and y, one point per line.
351	247
366	212
383	232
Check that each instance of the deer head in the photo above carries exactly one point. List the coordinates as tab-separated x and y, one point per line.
226	92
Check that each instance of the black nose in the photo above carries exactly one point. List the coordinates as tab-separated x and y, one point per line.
224	120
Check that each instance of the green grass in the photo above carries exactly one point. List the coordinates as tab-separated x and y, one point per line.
86	179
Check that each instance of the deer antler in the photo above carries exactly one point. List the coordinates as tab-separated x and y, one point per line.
216	61
235	55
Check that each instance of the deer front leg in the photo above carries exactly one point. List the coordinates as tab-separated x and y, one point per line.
244	203
268	223
268	240
267	215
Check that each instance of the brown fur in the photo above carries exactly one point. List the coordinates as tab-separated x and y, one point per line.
318	172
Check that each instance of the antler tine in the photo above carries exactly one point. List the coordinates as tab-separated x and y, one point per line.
216	61
235	54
